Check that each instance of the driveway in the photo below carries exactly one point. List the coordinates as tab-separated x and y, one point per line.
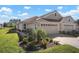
59	35
74	41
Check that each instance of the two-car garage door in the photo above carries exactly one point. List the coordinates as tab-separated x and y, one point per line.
50	28
53	28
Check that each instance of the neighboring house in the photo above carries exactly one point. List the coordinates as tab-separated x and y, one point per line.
52	22
1	25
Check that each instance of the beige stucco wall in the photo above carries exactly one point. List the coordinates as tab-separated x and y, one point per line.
77	27
67	27
30	26
68	24
61	26
49	29
19	26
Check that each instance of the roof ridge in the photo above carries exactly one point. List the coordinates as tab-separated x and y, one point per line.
30	18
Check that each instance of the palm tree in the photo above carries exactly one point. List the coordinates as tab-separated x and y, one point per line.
41	37
41	34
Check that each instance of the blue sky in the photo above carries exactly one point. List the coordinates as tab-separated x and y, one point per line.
22	12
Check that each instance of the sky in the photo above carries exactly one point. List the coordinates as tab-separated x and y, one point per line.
22	12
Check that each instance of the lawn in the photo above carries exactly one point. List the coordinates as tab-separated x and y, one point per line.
9	42
60	49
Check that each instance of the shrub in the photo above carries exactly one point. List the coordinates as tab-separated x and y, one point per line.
49	39
31	46
44	44
31	35
36	37
62	32
56	42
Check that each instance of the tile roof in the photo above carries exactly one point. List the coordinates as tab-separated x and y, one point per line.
30	20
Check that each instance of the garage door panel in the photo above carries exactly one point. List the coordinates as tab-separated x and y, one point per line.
68	27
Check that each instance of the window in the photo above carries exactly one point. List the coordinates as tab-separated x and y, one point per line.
42	24
24	26
69	20
48	24
55	14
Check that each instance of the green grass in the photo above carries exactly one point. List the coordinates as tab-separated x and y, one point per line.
9	42
60	49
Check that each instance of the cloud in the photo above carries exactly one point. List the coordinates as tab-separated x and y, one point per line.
75	17
27	7
48	10
19	11
5	9
59	7
14	17
4	16
23	14
8	17
71	12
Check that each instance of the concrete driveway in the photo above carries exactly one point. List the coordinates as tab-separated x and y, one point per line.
59	35
73	41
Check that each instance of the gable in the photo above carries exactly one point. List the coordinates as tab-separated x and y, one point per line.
67	19
52	16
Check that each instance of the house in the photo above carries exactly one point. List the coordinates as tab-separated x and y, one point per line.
1	25
51	22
